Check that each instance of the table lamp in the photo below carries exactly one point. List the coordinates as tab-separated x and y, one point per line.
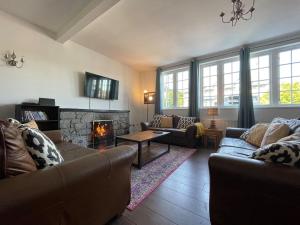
213	112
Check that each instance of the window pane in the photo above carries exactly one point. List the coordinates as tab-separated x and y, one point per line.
296	69
254	75
296	97
227	68
285	57
213	70
231	83
236	66
260	80
264	74
264	61
285	84
254	63
264	98
209	85
285	97
285	71
296	55
296	83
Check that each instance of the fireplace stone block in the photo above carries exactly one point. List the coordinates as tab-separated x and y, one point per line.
76	124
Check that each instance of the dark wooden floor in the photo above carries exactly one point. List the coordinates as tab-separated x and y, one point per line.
181	199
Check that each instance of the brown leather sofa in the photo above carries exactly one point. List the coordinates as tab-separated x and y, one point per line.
181	137
245	191
89	188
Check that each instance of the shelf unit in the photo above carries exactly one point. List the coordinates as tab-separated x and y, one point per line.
52	112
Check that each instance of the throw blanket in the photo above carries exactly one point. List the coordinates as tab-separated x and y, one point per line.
200	129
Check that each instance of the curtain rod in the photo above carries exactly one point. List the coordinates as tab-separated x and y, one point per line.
291	38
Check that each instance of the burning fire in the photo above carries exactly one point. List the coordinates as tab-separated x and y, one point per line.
100	130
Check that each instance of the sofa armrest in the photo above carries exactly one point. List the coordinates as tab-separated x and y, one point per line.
99	182
253	190
191	131
233	132
145	125
54	135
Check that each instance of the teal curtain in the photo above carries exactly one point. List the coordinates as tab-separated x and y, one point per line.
158	92
246	113
194	89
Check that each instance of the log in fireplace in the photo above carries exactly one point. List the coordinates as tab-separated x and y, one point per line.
102	133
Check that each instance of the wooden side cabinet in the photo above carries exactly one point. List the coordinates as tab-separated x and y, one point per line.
214	136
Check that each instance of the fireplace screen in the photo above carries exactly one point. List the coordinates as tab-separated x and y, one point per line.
102	133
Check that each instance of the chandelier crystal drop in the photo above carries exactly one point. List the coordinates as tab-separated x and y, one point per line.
238	12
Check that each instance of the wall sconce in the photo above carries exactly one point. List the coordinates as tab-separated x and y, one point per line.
10	60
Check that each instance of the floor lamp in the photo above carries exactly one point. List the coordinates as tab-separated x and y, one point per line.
149	99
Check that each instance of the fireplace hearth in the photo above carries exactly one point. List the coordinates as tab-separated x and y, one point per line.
102	133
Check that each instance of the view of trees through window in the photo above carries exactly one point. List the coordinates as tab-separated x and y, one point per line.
289	76
176	89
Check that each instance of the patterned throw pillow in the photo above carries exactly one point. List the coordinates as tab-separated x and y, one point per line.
286	152
157	120
245	135
275	132
185	122
256	134
41	148
292	123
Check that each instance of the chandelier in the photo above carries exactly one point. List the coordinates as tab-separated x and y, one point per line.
238	12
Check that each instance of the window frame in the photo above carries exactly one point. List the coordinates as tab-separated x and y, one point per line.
220	81
175	88
271	79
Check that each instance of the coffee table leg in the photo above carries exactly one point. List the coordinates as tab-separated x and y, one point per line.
140	155
148	143
116	142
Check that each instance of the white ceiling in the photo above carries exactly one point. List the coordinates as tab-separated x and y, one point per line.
149	33
51	15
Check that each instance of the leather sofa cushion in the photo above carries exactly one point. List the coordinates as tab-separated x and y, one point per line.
15	159
71	151
237	143
174	131
239	152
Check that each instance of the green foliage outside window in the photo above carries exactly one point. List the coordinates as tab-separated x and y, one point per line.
288	97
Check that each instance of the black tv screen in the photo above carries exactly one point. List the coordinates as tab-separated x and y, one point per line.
97	86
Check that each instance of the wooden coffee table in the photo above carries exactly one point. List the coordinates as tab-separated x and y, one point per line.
144	155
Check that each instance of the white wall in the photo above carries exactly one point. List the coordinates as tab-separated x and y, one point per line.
227	117
54	70
147	80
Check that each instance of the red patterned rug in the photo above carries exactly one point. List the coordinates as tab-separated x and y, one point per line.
147	179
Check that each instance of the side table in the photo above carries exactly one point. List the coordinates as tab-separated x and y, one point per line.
213	135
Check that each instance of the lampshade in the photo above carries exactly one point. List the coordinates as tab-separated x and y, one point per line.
213	111
149	98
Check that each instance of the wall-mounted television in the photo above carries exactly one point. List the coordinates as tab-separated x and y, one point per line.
101	87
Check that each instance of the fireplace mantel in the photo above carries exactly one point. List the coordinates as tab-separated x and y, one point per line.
93	110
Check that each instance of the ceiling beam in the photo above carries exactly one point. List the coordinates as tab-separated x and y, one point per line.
88	14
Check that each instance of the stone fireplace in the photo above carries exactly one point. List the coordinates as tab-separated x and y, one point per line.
102	133
77	124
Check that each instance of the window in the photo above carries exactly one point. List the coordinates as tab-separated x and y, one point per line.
275	79
289	77
260	79
182	89
210	85
168	90
175	87
231	83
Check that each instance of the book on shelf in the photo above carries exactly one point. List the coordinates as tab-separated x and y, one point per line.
34	115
